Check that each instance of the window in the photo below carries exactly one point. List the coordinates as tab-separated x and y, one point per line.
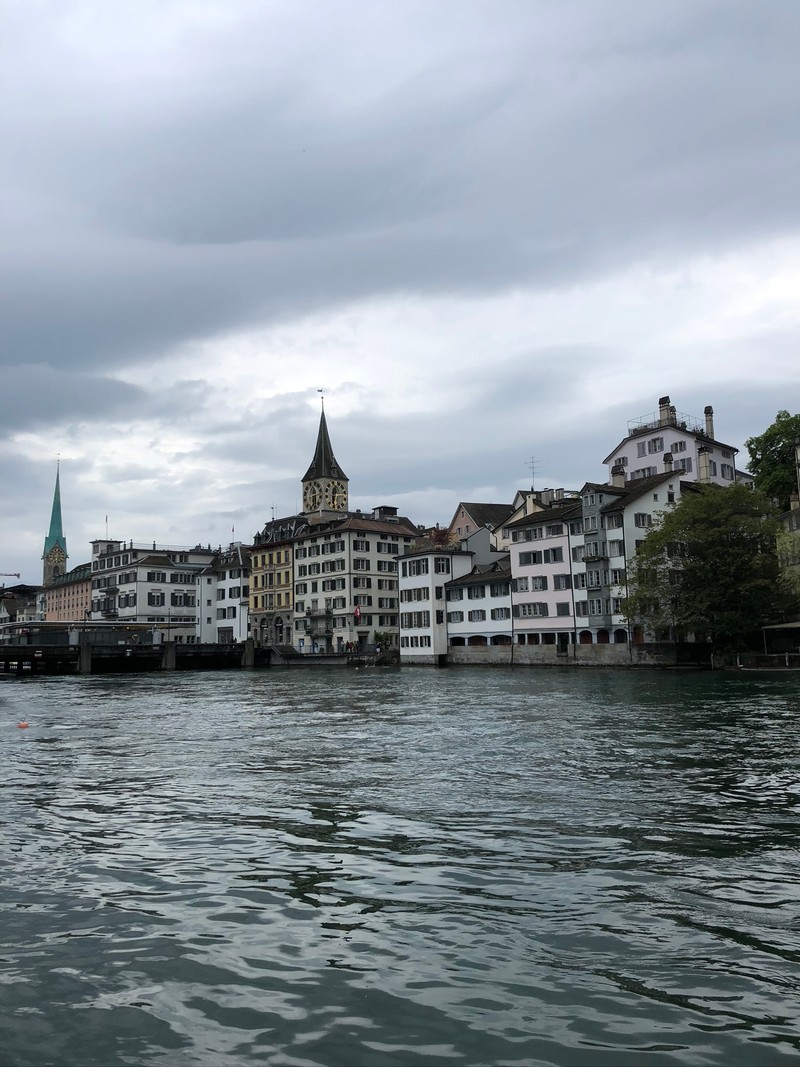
655	444
386	547
727	471
455	594
519	585
562	607
593	579
538	582
501	613
476	592
498	589
523	611
684	465
360	546
678	446
416	567
641	448
642	520
360	564
549	555
478	615
596	607
414	620
562	581
441	565
712	468
618	576
615	548
455	616
554	530
580	581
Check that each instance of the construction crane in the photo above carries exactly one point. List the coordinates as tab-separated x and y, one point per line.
9	574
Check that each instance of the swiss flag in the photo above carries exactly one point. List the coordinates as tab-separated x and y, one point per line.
357	613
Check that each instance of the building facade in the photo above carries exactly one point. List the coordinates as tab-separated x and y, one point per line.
696	453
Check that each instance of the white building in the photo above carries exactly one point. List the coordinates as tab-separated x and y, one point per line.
345	575
479	606
696	453
223	592
151	584
423	576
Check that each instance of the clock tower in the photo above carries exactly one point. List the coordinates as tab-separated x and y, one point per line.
324	483
54	555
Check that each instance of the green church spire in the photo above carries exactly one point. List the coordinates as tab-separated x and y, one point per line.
55	544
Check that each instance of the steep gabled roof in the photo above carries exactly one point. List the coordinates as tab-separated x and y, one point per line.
638	487
324	464
499	569
485	515
561	512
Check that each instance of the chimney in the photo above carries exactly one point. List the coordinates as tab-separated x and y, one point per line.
668	463
703	469
663	411
618	475
708	411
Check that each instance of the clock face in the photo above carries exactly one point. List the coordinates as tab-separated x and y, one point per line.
57	555
335	495
312	496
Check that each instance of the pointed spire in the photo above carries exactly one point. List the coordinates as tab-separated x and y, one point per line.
55	535
324	464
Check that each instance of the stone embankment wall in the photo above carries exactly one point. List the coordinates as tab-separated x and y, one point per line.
622	656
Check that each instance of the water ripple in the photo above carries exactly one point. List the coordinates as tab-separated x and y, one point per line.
416	867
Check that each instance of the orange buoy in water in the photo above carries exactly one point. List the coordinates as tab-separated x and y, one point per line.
23	726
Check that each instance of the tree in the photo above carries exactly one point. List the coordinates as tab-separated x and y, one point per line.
710	568
773	460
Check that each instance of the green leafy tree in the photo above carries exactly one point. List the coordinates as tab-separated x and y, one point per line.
710	569
773	461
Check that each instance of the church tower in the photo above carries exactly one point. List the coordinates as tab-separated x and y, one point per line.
324	483
55	544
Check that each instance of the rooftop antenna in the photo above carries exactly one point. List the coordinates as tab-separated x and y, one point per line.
533	469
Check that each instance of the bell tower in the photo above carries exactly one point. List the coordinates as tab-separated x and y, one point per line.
324	483
54	555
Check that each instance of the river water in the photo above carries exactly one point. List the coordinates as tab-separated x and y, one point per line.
409	867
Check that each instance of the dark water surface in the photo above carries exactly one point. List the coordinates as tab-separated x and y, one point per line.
418	867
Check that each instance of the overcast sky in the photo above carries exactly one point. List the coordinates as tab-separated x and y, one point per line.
490	231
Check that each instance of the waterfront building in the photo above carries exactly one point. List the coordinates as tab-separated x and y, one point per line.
479	606
156	585
696	453
272	581
546	564
223	594
422	579
345	574
625	512
68	597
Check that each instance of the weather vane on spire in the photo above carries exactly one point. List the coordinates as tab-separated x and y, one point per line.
322	397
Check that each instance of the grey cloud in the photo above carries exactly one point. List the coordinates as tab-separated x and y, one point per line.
647	134
36	396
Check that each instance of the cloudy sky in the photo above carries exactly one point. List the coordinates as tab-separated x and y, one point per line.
492	232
